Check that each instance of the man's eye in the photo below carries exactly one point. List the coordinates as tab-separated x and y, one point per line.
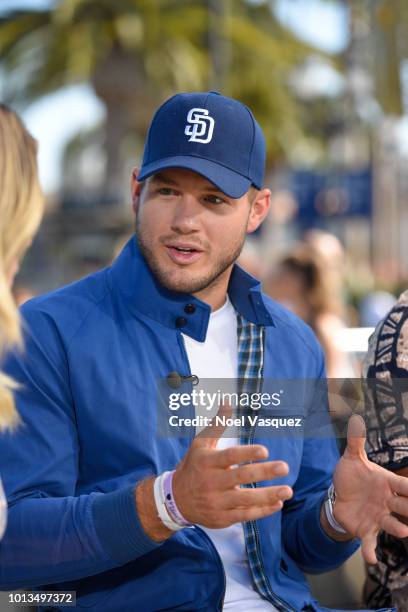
166	191
213	199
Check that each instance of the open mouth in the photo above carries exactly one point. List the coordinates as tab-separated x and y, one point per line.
183	254
185	250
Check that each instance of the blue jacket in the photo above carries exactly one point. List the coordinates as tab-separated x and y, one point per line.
94	352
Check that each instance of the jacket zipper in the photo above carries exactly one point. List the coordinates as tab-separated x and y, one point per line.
184	351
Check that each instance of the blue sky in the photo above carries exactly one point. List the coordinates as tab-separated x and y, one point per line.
319	23
6	5
54	119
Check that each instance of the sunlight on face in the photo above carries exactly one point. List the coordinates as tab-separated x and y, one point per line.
189	232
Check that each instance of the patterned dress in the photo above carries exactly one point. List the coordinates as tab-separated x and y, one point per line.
386	405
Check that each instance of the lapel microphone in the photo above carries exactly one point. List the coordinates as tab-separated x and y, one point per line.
175	380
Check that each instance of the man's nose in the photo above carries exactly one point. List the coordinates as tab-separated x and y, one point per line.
186	217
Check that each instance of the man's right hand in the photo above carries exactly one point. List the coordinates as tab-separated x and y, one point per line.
206	485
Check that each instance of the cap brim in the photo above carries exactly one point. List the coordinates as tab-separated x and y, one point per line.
231	183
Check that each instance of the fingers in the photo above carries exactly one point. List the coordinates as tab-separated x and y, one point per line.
368	546
399	505
394	527
262	496
356	435
399	484
253	472
241	515
238	454
210	435
391	525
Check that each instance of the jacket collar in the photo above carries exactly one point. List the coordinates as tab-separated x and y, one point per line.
143	294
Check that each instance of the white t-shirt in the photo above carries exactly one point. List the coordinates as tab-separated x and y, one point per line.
217	357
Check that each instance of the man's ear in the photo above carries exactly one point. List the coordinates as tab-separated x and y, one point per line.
135	188
259	209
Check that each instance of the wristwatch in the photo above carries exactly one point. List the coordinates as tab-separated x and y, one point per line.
329	506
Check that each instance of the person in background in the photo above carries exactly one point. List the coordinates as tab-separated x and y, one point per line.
300	282
386	413
330	253
21	209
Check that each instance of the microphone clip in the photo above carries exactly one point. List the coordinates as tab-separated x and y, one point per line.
175	380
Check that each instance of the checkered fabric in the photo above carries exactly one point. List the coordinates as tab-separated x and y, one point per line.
250	373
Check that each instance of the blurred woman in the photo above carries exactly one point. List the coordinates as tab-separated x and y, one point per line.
21	209
301	283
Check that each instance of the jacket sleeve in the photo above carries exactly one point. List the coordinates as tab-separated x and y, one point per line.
53	535
303	536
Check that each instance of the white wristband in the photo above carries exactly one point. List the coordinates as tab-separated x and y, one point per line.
328	507
161	506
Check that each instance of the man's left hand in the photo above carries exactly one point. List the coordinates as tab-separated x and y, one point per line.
368	496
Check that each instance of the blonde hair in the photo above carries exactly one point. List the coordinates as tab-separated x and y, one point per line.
21	209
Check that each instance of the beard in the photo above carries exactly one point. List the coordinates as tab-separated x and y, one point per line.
182	280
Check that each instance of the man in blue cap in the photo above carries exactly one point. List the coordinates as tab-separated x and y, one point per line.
100	502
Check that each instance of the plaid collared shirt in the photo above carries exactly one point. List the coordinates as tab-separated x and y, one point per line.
250	373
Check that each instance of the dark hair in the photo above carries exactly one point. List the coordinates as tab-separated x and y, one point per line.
304	263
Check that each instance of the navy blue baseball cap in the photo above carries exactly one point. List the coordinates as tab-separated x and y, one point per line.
212	135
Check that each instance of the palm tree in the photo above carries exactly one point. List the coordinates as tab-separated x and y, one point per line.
389	26
379	30
136	53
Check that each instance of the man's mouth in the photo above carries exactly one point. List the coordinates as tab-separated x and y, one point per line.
183	253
